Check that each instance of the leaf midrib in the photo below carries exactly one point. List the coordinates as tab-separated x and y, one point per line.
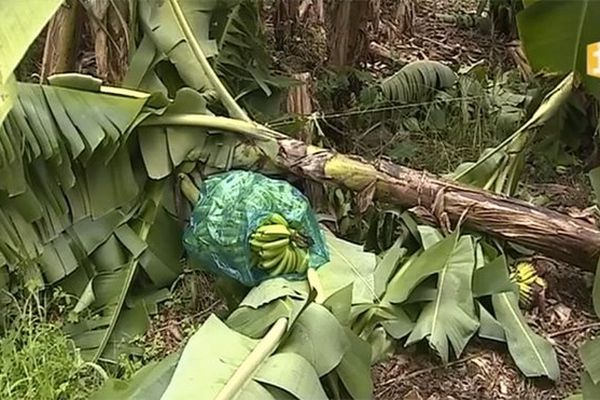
579	33
355	270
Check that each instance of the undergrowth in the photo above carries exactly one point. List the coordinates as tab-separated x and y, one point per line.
39	362
437	132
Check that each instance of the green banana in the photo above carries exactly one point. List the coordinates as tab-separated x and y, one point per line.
278	248
275	229
283	264
269	245
269	237
302	265
271	262
291	267
278	219
267	254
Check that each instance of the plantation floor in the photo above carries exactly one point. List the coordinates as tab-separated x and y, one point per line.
486	370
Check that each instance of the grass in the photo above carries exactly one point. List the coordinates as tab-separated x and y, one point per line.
39	362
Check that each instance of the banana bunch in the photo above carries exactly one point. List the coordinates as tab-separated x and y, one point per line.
278	248
530	284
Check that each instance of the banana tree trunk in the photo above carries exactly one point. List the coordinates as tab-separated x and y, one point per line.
435	200
347	31
62	40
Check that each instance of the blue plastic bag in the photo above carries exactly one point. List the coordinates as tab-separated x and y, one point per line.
231	206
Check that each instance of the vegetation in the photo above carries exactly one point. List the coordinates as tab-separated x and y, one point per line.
94	174
39	361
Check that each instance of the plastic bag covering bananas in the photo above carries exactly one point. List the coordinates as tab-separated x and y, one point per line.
231	207
279	248
529	282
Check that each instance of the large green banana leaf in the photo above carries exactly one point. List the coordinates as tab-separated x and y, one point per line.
229	33
556	36
450	318
533	354
22	23
209	360
74	207
64	159
316	345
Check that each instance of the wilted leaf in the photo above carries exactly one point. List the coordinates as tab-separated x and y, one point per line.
533	355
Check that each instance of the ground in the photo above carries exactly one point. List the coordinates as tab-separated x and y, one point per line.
485	370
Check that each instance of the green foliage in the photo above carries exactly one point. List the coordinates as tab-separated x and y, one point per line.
415	82
230	36
23	23
561	50
75	207
90	203
38	361
368	303
533	354
499	169
450	317
79	205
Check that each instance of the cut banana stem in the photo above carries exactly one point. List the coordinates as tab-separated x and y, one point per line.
189	190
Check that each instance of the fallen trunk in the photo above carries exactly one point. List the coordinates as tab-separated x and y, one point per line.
551	233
